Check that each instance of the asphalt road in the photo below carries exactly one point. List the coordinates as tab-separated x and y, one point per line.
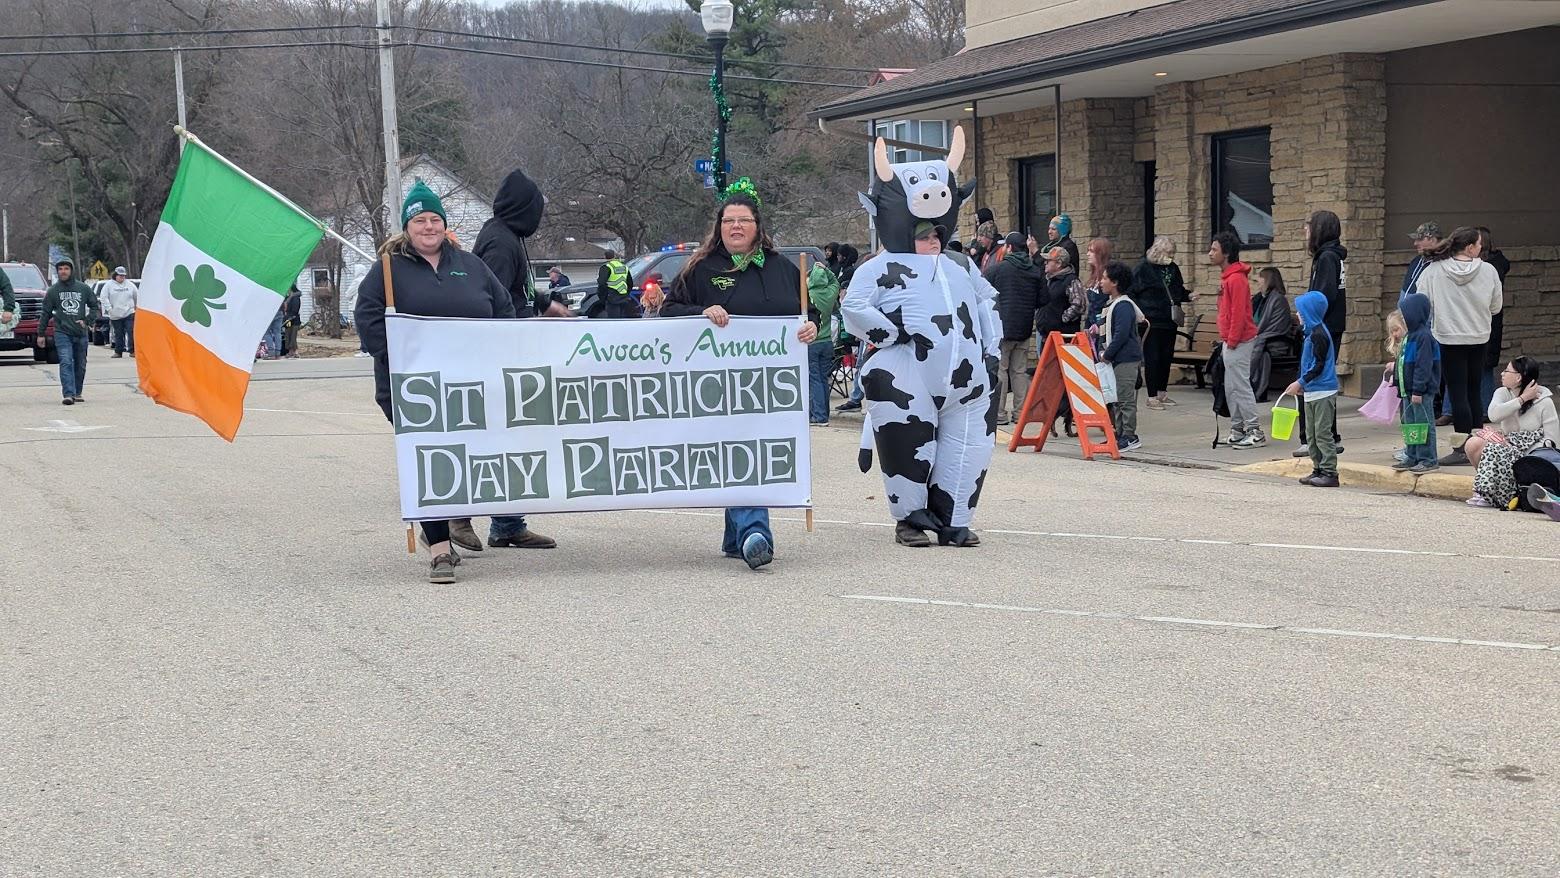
219	660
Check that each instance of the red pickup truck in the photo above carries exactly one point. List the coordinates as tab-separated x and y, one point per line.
28	283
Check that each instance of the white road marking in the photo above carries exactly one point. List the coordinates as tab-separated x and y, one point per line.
1064	535
1208	623
302	412
67	427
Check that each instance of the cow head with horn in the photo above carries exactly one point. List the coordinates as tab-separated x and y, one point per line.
910	192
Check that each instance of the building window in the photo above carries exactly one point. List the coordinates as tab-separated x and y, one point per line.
1036	194
1243	186
931	132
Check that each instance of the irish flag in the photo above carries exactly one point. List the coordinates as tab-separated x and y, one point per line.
224	255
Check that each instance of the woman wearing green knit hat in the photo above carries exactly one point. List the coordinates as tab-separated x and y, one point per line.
432	278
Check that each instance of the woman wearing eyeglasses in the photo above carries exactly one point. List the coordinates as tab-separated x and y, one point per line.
1522	417
738	272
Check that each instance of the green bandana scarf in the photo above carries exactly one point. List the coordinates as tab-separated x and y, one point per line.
741	261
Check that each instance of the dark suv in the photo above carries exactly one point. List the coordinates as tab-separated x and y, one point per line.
668	262
29	284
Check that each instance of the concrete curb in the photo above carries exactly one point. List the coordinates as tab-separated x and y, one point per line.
1373	477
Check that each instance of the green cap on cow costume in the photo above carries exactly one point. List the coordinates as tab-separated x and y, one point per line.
421	200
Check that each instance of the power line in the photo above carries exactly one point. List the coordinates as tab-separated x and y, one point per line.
185	33
649	52
44	53
109	35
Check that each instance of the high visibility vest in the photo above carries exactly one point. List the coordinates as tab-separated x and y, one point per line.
617	277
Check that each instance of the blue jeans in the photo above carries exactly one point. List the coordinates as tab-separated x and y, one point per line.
741	521
273	337
1421	413
820	361
124	334
73	363
505	526
1486	393
861	362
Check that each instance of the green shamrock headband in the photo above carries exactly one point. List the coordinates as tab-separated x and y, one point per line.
743	186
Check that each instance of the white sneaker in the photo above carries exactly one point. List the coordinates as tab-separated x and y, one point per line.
362	354
1234	438
1133	444
1258	438
1249	440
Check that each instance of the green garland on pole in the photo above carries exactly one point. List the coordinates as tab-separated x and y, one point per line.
724	110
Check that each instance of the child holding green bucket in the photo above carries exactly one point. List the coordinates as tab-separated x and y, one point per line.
1318	382
1418	378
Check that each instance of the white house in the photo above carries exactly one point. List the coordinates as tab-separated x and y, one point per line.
465	207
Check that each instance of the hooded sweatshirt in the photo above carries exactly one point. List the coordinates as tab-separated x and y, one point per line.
1418	368
1235	324
71	306
1507	415
1329	277
118	299
1318	375
1464	296
517	212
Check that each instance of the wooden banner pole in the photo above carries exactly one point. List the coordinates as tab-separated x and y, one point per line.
802	260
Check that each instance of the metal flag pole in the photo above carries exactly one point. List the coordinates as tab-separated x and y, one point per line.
179	130
178	82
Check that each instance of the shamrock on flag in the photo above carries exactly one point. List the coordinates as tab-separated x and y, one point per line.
224	255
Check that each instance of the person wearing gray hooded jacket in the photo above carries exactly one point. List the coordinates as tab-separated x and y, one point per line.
1465	294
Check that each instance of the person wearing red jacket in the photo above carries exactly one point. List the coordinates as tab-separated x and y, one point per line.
1237	332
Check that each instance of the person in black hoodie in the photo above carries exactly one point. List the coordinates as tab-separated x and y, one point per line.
1329	277
433	278
737	271
517	213
1492	360
1021	293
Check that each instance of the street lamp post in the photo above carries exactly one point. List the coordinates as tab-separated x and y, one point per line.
717	16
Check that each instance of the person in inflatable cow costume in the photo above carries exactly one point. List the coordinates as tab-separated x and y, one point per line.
929	387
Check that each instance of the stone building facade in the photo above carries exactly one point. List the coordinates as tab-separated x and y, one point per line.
1368	135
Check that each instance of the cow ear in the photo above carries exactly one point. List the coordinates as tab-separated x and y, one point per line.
880	161
956	149
967	190
868	203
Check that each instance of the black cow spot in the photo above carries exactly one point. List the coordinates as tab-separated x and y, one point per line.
943	322
923	347
939	503
878	386
877	336
966	321
975	393
897	445
895	276
897	317
963	374
992	407
937	402
979	484
893	498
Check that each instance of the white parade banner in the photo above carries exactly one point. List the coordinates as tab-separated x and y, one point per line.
504	417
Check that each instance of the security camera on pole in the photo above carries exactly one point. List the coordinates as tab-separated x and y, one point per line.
717	16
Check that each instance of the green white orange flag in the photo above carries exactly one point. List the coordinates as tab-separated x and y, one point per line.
222	260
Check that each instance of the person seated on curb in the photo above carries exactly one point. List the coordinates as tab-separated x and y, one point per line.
1522	417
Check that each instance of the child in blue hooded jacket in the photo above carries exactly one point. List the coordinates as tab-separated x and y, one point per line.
1418	373
1318	381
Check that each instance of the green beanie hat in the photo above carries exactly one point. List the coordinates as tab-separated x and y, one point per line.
421	200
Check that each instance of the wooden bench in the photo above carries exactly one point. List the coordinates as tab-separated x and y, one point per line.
1194	345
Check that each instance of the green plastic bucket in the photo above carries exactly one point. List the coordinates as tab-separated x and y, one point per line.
1284	418
1416	434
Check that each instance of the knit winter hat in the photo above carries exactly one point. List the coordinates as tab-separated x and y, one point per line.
421	200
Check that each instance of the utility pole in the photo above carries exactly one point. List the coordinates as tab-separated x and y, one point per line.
178	82
75	238
387	105
5	221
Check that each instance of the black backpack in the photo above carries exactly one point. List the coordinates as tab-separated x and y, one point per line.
1541	466
1215	372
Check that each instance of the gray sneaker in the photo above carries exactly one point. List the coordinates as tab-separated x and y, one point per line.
1423	467
1302	451
442	570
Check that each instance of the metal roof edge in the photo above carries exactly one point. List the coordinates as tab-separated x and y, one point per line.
1258	25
